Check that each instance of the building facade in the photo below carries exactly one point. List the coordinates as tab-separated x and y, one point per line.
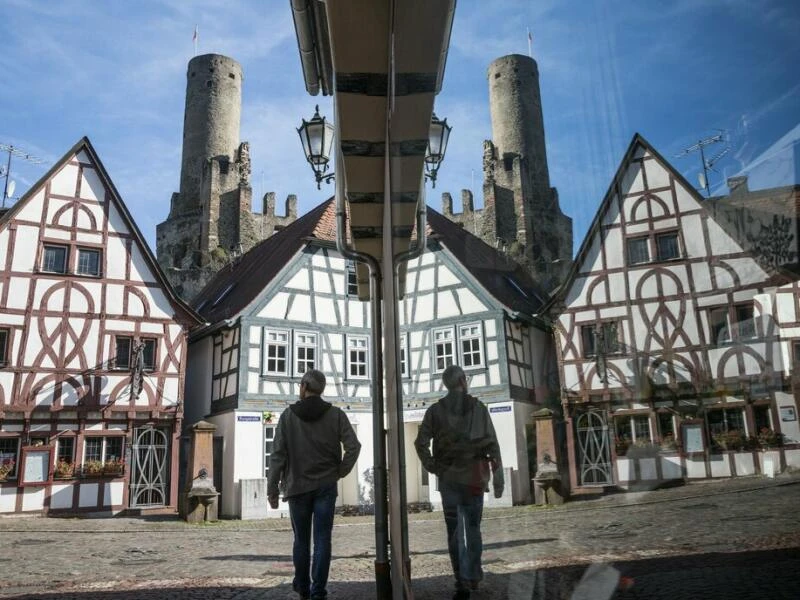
92	351
292	303
677	332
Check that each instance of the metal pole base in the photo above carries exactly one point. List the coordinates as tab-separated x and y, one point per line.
383	580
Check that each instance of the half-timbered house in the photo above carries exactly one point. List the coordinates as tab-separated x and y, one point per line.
292	303
92	351
676	330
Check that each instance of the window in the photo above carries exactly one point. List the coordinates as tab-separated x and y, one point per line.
745	323
718	322
88	262
796	353
404	356
357	356
3	347
149	354
603	337
305	352
9	456
761	417
667	246
471	341
126	350
725	419
666	425
55	259
65	449
102	449
276	351
269	442
638	250
731	323
443	350
123	352
352	279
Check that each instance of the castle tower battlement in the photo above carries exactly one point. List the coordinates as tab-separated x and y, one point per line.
210	220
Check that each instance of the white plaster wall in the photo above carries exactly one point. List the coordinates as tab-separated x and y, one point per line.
791	429
197	401
8	498
229	499
61	495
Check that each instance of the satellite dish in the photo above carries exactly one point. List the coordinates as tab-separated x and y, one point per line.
701	178
12	185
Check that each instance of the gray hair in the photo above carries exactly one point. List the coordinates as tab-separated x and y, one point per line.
314	380
452	376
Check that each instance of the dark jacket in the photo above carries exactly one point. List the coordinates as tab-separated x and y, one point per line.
307	449
465	447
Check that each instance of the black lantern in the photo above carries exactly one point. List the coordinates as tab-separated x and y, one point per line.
437	146
316	136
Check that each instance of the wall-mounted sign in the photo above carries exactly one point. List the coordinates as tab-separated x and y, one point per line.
788	413
693	440
249	418
35	466
496	409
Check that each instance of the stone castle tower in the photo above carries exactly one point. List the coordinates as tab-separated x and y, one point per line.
210	221
521	214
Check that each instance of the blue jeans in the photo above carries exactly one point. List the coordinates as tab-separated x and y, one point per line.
463	510
314	507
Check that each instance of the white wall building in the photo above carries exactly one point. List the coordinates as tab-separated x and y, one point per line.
292	303
79	293
677	332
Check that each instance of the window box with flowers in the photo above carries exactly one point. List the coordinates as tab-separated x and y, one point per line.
114	467
6	468
64	470
92	468
767	438
669	443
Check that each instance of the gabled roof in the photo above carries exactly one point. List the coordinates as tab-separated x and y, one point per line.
240	283
636	142
190	317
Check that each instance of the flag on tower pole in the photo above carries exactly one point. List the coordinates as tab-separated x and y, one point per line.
194	40
530	40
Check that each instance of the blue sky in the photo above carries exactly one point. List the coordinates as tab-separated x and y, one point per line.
674	71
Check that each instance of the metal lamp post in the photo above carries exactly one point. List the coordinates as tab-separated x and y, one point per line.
316	136
437	146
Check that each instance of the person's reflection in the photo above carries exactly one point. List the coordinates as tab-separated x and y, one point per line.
465	455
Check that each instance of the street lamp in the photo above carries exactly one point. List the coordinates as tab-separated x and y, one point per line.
437	146
316	136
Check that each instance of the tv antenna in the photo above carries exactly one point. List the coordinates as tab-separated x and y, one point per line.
708	165
8	188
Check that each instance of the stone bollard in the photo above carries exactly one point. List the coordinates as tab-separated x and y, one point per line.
201	499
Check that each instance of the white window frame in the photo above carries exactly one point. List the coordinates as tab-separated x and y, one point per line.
104	455
300	344
474	331
350	271
286	344
359	344
269	430
404	356
453	348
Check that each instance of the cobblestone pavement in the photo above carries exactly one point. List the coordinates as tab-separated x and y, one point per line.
739	537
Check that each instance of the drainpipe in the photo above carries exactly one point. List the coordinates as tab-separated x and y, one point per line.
399	258
382	567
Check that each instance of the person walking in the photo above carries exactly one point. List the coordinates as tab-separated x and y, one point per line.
306	463
465	456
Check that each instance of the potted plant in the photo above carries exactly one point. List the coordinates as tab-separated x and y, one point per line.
92	468
621	445
114	466
730	440
267	416
668	443
6	468
767	438
64	469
